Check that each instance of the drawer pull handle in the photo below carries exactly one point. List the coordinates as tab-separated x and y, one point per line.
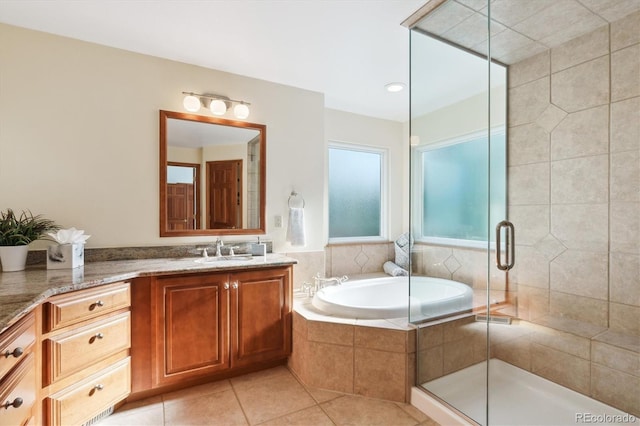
16	352
15	404
96	304
97	336
98	387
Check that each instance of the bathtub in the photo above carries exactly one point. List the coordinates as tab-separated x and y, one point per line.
388	297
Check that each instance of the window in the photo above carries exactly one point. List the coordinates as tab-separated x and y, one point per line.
356	193
455	187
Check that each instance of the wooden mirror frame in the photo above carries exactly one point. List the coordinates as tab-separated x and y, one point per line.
164	223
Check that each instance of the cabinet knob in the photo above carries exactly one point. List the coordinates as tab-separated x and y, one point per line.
15	404
16	352
226	286
235	285
98	387
99	336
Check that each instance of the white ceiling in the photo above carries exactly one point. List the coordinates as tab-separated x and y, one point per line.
346	49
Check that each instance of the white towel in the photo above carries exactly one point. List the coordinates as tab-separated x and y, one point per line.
393	269
295	228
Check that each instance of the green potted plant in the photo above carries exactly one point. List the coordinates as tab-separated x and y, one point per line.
16	233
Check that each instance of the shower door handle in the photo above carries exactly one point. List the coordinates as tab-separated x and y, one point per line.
509	245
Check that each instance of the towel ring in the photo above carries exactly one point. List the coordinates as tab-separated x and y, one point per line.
295	197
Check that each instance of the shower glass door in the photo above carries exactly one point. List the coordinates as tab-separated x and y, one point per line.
458	197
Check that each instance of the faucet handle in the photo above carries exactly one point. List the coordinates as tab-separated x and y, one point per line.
204	251
231	253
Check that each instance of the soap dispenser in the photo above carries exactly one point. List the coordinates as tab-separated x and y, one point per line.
259	249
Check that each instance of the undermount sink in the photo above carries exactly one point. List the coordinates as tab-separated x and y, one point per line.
234	258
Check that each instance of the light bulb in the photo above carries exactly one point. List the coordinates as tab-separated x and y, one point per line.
191	103
241	111
218	107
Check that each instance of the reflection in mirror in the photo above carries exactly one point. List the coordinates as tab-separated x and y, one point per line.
212	176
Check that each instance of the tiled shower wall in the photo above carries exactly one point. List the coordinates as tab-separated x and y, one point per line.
574	178
574	197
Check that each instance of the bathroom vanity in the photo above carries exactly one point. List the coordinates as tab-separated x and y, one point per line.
76	343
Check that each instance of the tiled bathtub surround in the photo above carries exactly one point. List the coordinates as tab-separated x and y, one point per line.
374	358
574	197
353	259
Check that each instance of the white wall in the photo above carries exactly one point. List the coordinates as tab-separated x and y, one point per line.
79	137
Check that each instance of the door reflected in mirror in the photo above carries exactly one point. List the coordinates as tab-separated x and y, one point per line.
212	176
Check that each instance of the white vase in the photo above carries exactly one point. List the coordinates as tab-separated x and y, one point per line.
13	258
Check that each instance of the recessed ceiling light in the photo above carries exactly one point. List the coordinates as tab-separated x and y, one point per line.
394	87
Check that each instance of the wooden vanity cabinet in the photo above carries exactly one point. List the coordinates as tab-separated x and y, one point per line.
18	373
86	336
213	324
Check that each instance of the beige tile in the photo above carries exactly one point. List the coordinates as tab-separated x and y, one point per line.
532	222
550	247
580	308
377	254
530	69
581	49
581	273
299	324
464	328
533	303
457	355
624	32
624	275
504	12
528	184
306	417
625	176
221	406
616	358
624	318
414	412
430	336
433	258
581	133
625	227
516	352
380	374
589	23
528	101
298	360
324	332
550	118
625	125
323	395
343	260
620	340
572	326
472	30
335	358
531	48
528	143
309	264
625	73
534	269
196	391
269	396
430	364
612	10
445	18
565	342
581	226
515	46
580	180
274	373
560	367
353	410
616	388
581	87
382	339
554	19
142	404
151	416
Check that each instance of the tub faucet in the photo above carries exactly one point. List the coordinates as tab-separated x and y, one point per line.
321	282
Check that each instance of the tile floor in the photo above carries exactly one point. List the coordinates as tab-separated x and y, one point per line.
269	397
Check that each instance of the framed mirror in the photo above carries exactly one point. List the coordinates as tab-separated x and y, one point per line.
212	176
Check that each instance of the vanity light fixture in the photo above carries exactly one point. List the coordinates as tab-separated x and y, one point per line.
218	104
394	87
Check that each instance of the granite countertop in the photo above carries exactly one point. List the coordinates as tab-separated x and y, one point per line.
22	291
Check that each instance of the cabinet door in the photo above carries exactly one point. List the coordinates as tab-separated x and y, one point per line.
191	326
260	316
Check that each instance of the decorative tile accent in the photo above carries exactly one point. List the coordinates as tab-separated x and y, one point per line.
550	118
452	264
581	133
550	247
361	259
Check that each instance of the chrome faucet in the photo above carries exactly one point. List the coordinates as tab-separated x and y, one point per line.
321	282
219	243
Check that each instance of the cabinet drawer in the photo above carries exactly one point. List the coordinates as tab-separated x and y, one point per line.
72	351
15	342
61	311
18	393
81	402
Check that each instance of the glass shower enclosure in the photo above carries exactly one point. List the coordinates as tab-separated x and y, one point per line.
514	195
